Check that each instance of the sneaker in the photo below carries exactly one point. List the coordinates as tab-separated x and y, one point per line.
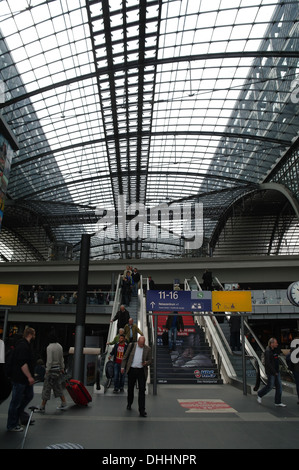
62	406
280	404
16	429
259	400
115	390
41	409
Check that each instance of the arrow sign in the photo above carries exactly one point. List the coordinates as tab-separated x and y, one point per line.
232	301
168	300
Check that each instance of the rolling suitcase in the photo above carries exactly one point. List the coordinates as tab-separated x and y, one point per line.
78	392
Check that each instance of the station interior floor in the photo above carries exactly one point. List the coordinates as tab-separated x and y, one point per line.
181	419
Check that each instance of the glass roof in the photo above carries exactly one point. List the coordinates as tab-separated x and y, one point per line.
163	101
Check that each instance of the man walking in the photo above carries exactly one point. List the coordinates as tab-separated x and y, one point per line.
118	354
135	362
174	324
54	369
273	374
22	379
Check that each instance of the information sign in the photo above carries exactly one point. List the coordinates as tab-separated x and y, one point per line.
198	301
168	300
9	294
201	301
231	301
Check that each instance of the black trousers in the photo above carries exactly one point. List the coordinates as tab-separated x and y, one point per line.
136	374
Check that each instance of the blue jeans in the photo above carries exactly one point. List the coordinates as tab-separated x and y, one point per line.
273	380
22	394
172	332
119	378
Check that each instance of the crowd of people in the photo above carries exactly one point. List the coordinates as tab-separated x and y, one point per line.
40	295
130	284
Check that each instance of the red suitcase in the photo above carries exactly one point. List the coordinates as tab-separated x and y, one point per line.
78	392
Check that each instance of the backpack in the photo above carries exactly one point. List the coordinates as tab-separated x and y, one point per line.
109	369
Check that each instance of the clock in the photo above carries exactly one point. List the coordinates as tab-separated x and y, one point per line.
293	293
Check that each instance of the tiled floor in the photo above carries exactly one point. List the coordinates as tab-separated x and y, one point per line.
179	417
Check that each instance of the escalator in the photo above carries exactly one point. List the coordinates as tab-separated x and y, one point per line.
135	309
248	372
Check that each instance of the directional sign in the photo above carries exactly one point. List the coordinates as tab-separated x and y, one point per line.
201	301
198	301
168	300
9	294
231	301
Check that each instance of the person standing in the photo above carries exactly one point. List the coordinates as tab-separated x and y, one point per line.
122	317
22	381
207	280
174	324
135	362
273	374
131	330
118	354
151	283
235	327
136	281
54	369
116	338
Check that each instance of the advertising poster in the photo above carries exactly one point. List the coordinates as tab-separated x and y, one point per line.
6	155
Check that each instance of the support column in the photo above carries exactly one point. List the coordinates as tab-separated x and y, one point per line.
78	371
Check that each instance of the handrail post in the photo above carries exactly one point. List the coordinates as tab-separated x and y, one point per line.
243	356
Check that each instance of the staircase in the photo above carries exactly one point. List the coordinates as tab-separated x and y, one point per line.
133	309
191	362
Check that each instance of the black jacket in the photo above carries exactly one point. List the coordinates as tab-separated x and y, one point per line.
179	322
271	361
122	318
22	355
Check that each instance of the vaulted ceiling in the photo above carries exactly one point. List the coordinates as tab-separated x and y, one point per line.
124	108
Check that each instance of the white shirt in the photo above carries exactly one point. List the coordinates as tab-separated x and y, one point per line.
54	357
137	361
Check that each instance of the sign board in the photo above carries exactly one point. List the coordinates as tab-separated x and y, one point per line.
231	301
9	294
201	301
168	300
198	301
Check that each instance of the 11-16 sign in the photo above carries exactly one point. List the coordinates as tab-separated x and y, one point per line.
200	301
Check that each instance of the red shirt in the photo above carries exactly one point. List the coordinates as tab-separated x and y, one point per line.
120	353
